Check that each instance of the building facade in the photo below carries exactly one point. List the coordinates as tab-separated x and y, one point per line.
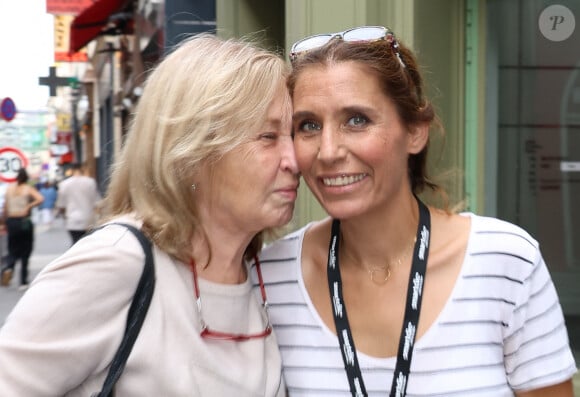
503	75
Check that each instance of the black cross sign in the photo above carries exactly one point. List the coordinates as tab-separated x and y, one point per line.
53	81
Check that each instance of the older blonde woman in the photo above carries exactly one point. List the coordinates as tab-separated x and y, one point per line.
207	168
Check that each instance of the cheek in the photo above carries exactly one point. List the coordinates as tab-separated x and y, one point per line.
382	149
376	154
305	153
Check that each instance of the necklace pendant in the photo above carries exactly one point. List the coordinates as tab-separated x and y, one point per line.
380	275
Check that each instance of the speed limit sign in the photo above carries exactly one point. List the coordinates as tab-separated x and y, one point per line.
11	160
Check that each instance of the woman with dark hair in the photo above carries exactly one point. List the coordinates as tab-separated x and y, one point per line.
19	201
387	295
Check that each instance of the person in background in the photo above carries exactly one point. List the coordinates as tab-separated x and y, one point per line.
47	208
389	296
78	200
19	200
207	170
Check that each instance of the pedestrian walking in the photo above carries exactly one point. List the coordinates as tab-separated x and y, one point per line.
20	199
78	198
49	192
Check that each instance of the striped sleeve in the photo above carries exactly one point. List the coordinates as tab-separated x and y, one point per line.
536	345
535	340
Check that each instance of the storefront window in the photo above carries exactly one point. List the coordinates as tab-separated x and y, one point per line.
537	47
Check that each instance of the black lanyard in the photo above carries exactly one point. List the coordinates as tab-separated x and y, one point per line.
413	308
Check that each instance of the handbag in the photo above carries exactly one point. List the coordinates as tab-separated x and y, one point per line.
136	315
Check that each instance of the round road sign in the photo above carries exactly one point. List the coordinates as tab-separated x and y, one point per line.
7	109
11	160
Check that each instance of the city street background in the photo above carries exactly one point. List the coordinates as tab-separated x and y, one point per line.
49	243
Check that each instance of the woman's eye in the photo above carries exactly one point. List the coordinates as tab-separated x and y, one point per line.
269	136
308	126
357	121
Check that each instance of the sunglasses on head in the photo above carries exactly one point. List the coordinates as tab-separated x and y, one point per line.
354	35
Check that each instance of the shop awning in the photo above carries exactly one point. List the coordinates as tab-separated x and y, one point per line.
101	17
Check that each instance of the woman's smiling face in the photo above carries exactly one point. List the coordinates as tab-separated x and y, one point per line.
351	146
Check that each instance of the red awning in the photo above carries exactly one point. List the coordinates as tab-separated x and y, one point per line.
95	20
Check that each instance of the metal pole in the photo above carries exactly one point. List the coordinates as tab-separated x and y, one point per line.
78	155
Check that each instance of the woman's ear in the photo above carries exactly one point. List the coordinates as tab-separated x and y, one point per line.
418	138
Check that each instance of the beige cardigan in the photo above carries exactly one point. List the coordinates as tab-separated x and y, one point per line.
62	334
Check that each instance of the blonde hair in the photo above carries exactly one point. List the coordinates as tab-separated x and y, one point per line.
201	101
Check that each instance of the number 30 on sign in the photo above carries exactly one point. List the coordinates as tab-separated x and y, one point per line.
11	160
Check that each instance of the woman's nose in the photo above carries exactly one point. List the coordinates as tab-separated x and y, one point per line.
331	146
289	162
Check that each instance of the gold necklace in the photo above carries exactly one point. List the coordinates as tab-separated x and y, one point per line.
380	274
385	270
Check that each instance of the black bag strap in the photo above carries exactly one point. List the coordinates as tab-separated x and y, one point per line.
136	315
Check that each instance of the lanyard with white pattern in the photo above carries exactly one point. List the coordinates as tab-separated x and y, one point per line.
412	311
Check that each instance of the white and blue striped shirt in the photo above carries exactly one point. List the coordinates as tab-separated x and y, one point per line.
501	330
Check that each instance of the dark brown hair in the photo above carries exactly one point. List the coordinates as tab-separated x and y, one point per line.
22	176
400	80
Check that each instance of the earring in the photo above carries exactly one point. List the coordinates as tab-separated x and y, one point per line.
193	187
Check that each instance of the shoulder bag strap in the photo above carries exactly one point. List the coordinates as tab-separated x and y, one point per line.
136	315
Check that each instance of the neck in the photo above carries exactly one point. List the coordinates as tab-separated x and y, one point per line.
219	256
380	240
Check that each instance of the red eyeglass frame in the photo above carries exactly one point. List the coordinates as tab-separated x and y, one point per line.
208	333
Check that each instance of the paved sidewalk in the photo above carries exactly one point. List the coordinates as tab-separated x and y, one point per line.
49	243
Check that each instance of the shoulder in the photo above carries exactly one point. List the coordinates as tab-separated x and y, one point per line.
493	231
10	190
286	246
33	190
88	180
501	247
63	184
110	254
115	233
88	183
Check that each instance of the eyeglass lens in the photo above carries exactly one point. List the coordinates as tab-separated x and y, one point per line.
312	42
364	33
356	34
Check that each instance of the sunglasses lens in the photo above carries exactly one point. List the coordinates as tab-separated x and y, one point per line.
360	34
310	43
365	33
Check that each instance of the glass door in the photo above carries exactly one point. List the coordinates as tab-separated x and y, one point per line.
533	76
